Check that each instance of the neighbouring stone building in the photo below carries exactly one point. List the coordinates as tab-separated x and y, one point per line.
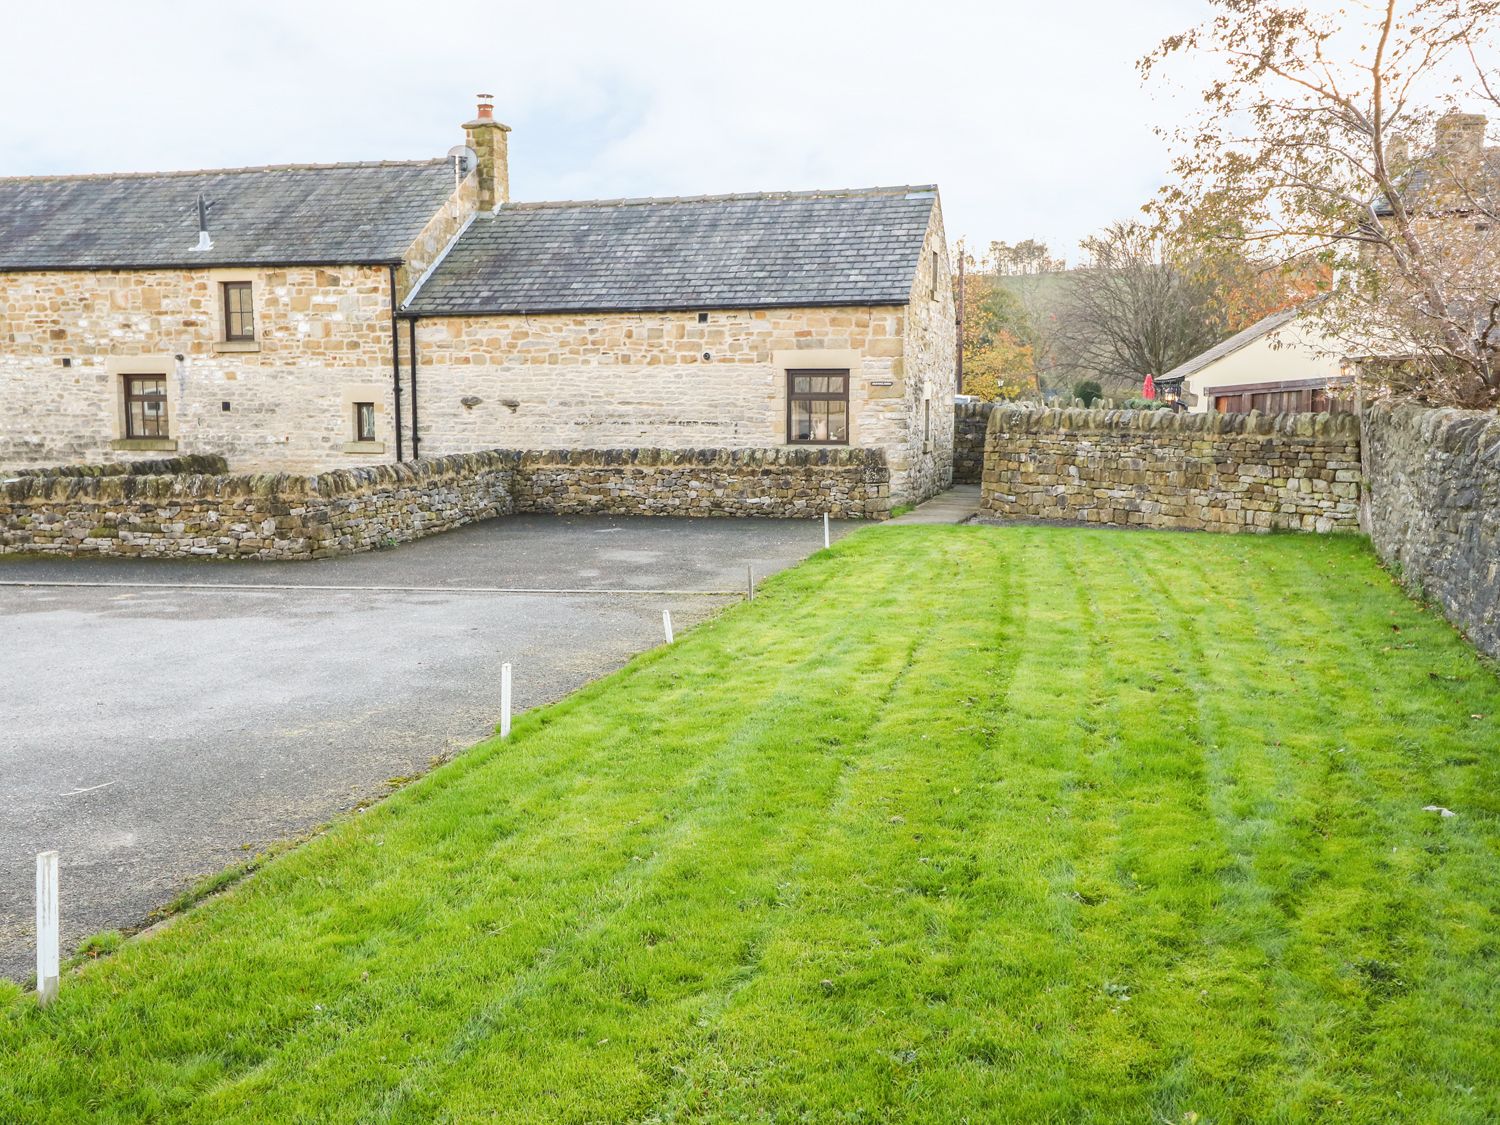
319	317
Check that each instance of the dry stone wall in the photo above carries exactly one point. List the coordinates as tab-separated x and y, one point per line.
348	511
845	483
1156	468
1432	509
970	422
259	517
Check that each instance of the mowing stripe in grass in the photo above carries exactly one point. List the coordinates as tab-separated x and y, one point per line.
1237	926
849	922
805	780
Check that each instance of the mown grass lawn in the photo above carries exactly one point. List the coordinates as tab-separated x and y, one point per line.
949	824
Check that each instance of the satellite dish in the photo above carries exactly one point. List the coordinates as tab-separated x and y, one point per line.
464	158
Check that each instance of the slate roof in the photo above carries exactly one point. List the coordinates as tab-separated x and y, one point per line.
1230	346
346	214
732	251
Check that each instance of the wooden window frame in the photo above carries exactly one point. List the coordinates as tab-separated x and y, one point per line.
817	396
360	432
246	314
161	421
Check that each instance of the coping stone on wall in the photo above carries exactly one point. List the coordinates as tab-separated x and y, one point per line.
189	463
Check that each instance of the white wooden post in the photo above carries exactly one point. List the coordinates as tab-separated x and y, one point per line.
505	700
666	624
750	582
47	937
826	543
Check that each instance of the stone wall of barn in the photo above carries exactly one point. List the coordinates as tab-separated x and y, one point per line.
278	516
929	373
1432	509
283	401
1156	468
674	380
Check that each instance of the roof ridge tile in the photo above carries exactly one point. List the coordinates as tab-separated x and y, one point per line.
899	191
70	176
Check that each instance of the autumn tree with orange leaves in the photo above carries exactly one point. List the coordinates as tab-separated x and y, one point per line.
999	359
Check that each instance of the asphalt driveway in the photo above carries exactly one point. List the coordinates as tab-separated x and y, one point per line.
161	720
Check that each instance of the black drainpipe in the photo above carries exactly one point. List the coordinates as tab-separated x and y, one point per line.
396	361
416	437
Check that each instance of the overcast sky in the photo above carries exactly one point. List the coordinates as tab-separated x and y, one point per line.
1029	116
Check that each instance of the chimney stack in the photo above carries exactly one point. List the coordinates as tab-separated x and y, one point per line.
487	137
1397	154
1460	137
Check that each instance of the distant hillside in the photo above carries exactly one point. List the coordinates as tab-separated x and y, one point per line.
1046	288
1044	296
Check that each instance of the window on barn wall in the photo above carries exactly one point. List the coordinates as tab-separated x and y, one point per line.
145	406
364	421
817	407
239	311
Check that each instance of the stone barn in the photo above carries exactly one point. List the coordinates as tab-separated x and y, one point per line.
311	317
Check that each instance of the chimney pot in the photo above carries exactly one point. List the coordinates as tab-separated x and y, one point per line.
486	107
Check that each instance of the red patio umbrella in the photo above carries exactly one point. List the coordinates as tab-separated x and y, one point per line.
1148	391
